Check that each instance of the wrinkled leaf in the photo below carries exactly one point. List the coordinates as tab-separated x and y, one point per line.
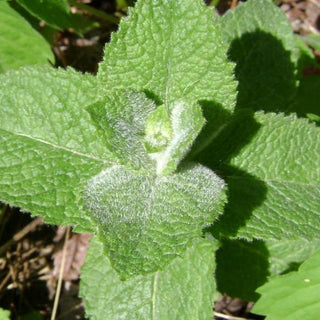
172	50
121	119
147	220
273	181
185	289
49	148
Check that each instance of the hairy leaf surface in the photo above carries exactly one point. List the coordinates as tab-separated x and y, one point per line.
172	49
184	289
186	121
19	49
121	119
143	135
292	296
147	220
48	146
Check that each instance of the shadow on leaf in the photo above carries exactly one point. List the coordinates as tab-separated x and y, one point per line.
266	74
245	192
308	97
242	267
216	119
236	132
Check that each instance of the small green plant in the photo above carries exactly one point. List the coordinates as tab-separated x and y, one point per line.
183	156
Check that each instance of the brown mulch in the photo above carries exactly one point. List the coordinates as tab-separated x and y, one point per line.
30	264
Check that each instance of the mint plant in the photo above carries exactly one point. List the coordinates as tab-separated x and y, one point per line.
182	153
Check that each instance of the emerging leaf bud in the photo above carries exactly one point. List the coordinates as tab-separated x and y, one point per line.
158	131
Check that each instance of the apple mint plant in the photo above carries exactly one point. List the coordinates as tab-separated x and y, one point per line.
182	156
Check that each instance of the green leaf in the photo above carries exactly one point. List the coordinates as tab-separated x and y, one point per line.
287	255
262	44
184	290
147	220
308	96
306	57
186	121
313	117
273	182
292	296
56	13
50	149
4	314
172	50
158	130
20	48
121	119
242	266
313	40
132	126
48	146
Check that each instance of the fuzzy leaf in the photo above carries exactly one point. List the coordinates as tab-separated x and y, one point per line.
64	149
273	182
172	50
121	118
19	49
263	46
184	289
186	122
133	126
147	220
292	296
48	146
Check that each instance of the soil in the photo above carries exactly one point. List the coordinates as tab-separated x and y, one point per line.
30	251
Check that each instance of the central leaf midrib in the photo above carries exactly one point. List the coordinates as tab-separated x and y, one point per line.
56	146
154	294
168	59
